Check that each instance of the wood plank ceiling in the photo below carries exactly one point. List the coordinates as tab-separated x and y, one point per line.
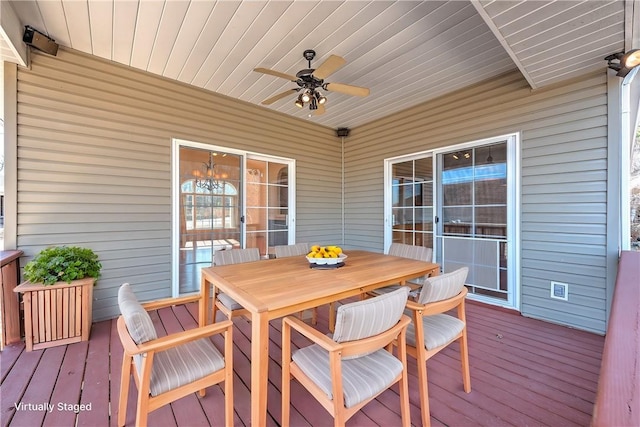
406	52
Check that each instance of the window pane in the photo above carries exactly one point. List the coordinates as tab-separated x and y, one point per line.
424	169
402	237
256	219
402	170
424	219
426	195
403	218
457	179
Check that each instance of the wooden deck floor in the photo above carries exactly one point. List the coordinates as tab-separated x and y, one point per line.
523	372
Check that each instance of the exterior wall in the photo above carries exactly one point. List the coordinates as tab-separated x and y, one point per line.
563	181
94	163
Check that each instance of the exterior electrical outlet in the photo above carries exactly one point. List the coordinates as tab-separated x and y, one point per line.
560	291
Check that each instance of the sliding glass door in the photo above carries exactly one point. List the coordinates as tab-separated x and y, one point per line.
462	202
225	199
472	214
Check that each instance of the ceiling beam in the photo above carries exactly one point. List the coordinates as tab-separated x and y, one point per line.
11	30
494	29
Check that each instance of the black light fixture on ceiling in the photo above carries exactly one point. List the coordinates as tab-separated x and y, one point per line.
622	62
40	41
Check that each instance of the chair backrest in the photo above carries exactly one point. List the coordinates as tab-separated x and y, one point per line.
419	253
443	287
283	251
369	317
236	256
137	319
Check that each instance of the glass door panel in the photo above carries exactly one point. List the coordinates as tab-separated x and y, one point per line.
412	202
209	210
473	212
267	200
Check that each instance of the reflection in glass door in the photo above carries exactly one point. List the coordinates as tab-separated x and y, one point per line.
473	219
209	210
412	202
463	204
269	219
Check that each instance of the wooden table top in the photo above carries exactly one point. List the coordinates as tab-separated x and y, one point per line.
287	283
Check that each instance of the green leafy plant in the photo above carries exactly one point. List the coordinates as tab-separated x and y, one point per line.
62	264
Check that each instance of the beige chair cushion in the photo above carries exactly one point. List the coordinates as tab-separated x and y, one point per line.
139	324
234	256
182	365
369	317
362	377
439	330
443	287
283	251
419	253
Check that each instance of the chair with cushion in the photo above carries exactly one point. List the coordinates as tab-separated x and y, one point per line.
170	367
431	329
403	250
222	301
297	249
346	371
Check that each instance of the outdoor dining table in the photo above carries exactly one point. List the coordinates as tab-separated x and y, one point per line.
274	288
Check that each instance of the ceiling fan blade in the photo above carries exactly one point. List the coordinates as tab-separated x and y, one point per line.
274	98
347	89
319	111
276	73
328	67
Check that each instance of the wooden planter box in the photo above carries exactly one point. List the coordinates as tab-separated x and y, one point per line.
58	314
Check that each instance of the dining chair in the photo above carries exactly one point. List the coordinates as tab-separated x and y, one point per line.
346	371
170	367
297	249
432	329
222	301
419	253
403	250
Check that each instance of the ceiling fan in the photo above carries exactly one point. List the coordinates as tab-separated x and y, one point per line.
309	82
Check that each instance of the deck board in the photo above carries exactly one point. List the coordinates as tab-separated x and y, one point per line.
523	372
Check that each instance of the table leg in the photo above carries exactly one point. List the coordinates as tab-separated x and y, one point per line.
203	306
259	367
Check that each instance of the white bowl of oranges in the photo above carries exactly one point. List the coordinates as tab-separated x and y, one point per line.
326	255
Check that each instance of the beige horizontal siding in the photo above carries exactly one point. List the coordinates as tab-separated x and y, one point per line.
563	180
94	164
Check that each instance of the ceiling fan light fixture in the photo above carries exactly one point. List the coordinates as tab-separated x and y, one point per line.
321	98
311	79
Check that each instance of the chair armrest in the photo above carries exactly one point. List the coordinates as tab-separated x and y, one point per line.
312	334
412	305
439	306
174	340
167	302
